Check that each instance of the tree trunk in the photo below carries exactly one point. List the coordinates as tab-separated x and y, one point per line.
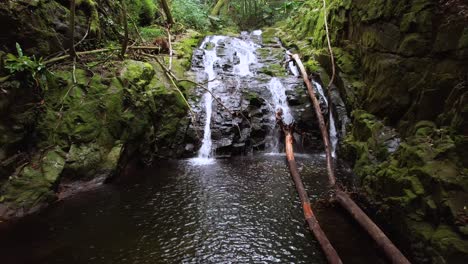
71	46
312	221
318	113
343	198
372	229
167	12
217	8
125	25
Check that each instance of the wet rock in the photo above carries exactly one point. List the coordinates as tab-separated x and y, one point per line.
293	98
32	187
189	147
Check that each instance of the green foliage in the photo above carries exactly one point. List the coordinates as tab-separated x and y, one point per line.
152	32
191	13
142	11
32	69
253	14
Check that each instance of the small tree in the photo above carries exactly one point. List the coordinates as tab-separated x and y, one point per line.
72	30
167	11
123	7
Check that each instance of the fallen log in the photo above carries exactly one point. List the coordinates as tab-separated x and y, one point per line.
372	229
89	52
342	197
318	113
309	215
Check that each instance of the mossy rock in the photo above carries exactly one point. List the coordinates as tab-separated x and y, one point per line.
111	160
184	47
450	245
414	45
417	21
83	160
33	185
365	125
137	72
448	36
274	70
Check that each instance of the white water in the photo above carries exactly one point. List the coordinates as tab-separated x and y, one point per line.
293	68
244	51
333	136
279	102
279	99
332	128
205	152
319	89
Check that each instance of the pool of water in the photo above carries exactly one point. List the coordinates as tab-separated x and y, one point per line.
239	210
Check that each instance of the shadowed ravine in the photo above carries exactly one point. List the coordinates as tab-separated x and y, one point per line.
205	210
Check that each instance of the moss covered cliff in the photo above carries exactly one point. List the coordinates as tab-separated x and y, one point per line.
80	121
402	71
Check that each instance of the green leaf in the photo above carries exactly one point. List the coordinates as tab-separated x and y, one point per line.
19	50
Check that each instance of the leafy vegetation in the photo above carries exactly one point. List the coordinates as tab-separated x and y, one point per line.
191	13
32	69
152	32
143	11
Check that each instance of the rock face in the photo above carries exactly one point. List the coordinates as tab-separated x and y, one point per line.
85	125
402	72
243	118
41	26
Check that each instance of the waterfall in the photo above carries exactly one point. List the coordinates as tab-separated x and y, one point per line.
333	136
293	68
210	57
279	99
279	102
319	89
332	128
238	52
245	52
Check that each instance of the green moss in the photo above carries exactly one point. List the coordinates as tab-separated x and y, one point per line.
366	125
137	72
111	160
417	21
269	35
83	160
34	183
91	9
450	244
414	45
184	47
52	165
263	52
274	70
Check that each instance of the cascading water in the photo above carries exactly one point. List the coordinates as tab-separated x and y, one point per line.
332	129
279	103
219	50
293	68
251	85
204	154
319	89
279	99
333	136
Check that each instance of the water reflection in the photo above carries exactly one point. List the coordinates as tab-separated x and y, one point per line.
242	210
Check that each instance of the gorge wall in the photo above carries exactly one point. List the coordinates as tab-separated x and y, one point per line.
66	127
402	70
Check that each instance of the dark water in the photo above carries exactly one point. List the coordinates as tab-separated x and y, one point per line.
242	210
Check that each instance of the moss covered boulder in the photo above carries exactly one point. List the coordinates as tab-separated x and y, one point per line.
32	185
